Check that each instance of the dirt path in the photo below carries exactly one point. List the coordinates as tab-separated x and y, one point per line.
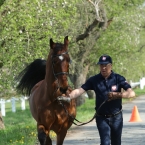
83	135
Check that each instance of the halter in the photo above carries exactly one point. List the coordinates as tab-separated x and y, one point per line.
59	73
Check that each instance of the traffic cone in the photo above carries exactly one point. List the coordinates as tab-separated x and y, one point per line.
135	115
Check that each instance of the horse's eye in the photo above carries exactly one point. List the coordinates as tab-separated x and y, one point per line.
55	61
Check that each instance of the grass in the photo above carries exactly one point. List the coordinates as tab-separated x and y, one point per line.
20	127
139	92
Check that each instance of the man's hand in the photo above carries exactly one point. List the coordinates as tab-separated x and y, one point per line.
65	99
114	95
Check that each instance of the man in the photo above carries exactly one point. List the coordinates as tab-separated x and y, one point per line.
107	86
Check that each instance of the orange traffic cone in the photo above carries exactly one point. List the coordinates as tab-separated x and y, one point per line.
135	115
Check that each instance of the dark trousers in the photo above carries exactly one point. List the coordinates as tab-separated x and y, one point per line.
110	129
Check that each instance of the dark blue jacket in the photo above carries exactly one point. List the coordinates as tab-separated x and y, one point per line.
102	87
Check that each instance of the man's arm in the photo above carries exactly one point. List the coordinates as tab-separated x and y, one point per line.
129	93
76	93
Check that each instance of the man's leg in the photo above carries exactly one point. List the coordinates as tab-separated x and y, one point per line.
104	130
116	124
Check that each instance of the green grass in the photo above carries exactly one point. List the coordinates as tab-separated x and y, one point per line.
139	91
86	111
20	127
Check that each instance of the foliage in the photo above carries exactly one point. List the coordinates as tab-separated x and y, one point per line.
125	44
2	2
26	27
115	8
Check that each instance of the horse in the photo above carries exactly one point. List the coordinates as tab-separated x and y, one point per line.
44	81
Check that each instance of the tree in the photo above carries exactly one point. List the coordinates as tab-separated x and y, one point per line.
2	126
27	26
125	48
94	37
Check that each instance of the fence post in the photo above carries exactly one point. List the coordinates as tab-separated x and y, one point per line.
143	79
23	103
141	84
13	104
3	112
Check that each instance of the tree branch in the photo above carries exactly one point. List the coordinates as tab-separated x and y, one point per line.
91	27
88	30
141	48
96	5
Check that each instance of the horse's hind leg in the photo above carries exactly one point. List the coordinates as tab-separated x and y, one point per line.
60	137
41	135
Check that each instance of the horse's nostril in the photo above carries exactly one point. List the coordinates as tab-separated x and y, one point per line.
63	90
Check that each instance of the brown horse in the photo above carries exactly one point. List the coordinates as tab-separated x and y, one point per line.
44	81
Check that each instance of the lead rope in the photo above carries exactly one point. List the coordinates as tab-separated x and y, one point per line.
82	123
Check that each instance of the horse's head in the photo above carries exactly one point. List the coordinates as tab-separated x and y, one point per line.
60	63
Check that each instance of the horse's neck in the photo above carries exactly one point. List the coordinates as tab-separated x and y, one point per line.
49	77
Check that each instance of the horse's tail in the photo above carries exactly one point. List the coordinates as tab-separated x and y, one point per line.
31	75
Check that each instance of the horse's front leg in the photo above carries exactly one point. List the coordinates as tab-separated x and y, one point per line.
41	134
60	136
48	140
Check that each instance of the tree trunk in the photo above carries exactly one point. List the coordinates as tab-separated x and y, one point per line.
91	94
86	43
78	79
2	126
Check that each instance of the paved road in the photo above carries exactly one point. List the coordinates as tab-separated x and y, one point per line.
133	132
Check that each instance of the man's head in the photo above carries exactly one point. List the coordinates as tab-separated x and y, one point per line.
105	64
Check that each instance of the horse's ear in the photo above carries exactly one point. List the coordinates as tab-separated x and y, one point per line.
51	44
66	41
